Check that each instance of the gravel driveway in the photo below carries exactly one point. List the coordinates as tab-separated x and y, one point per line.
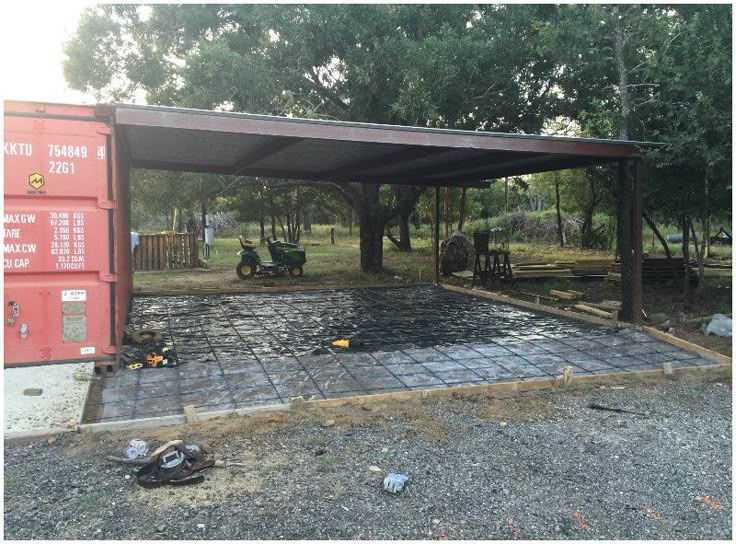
542	465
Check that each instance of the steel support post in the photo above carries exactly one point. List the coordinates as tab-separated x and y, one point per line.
437	234
447	211
636	242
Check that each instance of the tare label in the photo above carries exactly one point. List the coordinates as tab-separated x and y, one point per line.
74	295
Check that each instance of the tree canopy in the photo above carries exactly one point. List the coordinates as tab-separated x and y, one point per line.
636	72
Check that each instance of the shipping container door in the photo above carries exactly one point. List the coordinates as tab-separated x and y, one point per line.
58	271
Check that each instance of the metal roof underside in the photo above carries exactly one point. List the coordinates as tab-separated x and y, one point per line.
258	145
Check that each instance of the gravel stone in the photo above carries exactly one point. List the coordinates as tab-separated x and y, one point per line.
557	470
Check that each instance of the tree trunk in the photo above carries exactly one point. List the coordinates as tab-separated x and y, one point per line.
701	260
391	236
461	210
284	234
307	221
706	217
296	230
372	226
406	201
371	244
273	225
404	233
686	253
665	246
588	232
625	185
586	229
350	221
560	233
623	74
204	220
262	224
179	221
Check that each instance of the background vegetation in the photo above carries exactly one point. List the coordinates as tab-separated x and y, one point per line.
615	71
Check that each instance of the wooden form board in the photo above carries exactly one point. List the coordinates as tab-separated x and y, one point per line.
594	311
567	295
499	390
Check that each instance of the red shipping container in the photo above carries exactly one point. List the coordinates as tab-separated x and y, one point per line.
66	235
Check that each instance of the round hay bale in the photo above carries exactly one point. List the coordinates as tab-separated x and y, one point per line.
456	253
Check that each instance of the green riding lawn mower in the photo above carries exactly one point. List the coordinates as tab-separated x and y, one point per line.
285	258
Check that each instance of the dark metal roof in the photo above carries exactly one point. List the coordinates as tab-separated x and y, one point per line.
261	145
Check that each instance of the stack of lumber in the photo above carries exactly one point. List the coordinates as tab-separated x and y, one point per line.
539	270
654	270
584	267
606	305
719	266
590	267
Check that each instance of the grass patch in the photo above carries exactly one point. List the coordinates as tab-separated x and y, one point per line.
326	465
89	500
326	265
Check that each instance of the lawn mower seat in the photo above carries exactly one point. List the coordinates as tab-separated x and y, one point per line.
245	243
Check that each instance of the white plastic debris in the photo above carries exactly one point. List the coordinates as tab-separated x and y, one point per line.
394	482
720	325
136	448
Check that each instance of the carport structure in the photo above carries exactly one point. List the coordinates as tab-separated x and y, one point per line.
230	143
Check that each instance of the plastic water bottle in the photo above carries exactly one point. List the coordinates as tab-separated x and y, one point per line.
136	448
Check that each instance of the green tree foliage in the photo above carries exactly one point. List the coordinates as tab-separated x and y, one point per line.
660	72
357	62
582	191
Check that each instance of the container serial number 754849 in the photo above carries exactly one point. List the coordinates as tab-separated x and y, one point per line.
67	151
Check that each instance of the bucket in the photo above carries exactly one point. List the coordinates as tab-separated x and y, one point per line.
480	242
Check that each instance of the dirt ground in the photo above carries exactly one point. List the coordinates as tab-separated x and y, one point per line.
538	465
337	266
715	298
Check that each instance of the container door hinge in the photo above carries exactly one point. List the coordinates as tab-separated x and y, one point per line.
109	278
107	205
104	130
111	350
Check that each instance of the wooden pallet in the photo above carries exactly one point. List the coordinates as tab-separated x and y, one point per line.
166	252
655	270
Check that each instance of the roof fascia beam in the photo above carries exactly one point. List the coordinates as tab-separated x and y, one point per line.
282	127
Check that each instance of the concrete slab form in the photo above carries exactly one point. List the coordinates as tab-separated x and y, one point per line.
245	351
